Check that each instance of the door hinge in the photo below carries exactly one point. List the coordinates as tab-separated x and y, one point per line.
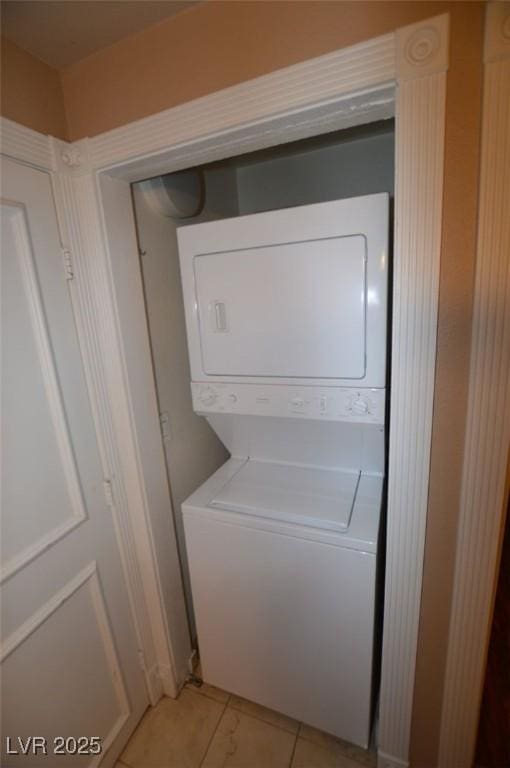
68	263
108	493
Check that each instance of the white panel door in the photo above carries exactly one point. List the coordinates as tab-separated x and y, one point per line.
287	310
69	656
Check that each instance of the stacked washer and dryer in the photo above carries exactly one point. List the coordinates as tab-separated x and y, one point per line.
286	316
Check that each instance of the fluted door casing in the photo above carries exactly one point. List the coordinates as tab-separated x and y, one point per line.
420	126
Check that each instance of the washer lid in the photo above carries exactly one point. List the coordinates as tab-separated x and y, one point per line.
322	498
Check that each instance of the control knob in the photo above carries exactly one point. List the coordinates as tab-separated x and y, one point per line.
208	396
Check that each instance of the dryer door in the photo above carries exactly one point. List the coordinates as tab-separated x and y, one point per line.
296	296
285	310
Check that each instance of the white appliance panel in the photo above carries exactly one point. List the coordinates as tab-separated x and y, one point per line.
285	621
361	535
310	496
357	447
296	296
285	310
357	405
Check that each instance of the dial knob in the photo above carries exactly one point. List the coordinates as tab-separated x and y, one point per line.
208	396
232	398
360	406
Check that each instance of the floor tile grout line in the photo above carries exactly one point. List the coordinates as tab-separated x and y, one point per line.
229	703
261	719
295	745
345	754
245	714
297	733
150	708
214	733
195	689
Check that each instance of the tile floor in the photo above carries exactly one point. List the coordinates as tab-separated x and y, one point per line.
209	728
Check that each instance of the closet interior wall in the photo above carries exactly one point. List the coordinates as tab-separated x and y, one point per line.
192	450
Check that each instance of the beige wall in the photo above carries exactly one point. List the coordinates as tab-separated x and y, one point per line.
215	45
221	43
31	92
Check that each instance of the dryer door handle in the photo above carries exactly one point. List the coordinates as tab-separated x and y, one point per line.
219	316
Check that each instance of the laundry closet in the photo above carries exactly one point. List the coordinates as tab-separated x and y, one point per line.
231	462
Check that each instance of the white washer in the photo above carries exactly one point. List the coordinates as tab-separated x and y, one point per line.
284	589
286	323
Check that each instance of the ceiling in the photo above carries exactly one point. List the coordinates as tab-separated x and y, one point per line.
61	32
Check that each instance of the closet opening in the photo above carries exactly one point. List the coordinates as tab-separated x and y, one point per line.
351	163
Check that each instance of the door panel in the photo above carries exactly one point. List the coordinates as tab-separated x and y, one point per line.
35	432
78	614
69	649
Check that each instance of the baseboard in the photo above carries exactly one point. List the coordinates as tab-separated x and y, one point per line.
168	682
154	684
387	761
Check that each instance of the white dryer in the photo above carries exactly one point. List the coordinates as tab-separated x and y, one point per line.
286	322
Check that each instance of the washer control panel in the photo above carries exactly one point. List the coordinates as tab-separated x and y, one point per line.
325	403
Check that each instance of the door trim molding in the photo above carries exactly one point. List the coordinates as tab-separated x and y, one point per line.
30	625
87	576
482	507
94	310
294	89
348	87
22	143
417	247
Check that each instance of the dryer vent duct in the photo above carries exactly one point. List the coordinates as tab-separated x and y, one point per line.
177	195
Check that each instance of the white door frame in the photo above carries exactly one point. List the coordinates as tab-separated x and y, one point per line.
403	73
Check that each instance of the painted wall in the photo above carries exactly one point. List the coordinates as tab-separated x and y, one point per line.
192	450
216	45
31	92
353	167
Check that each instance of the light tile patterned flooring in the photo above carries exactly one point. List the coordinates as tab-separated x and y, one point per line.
209	728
